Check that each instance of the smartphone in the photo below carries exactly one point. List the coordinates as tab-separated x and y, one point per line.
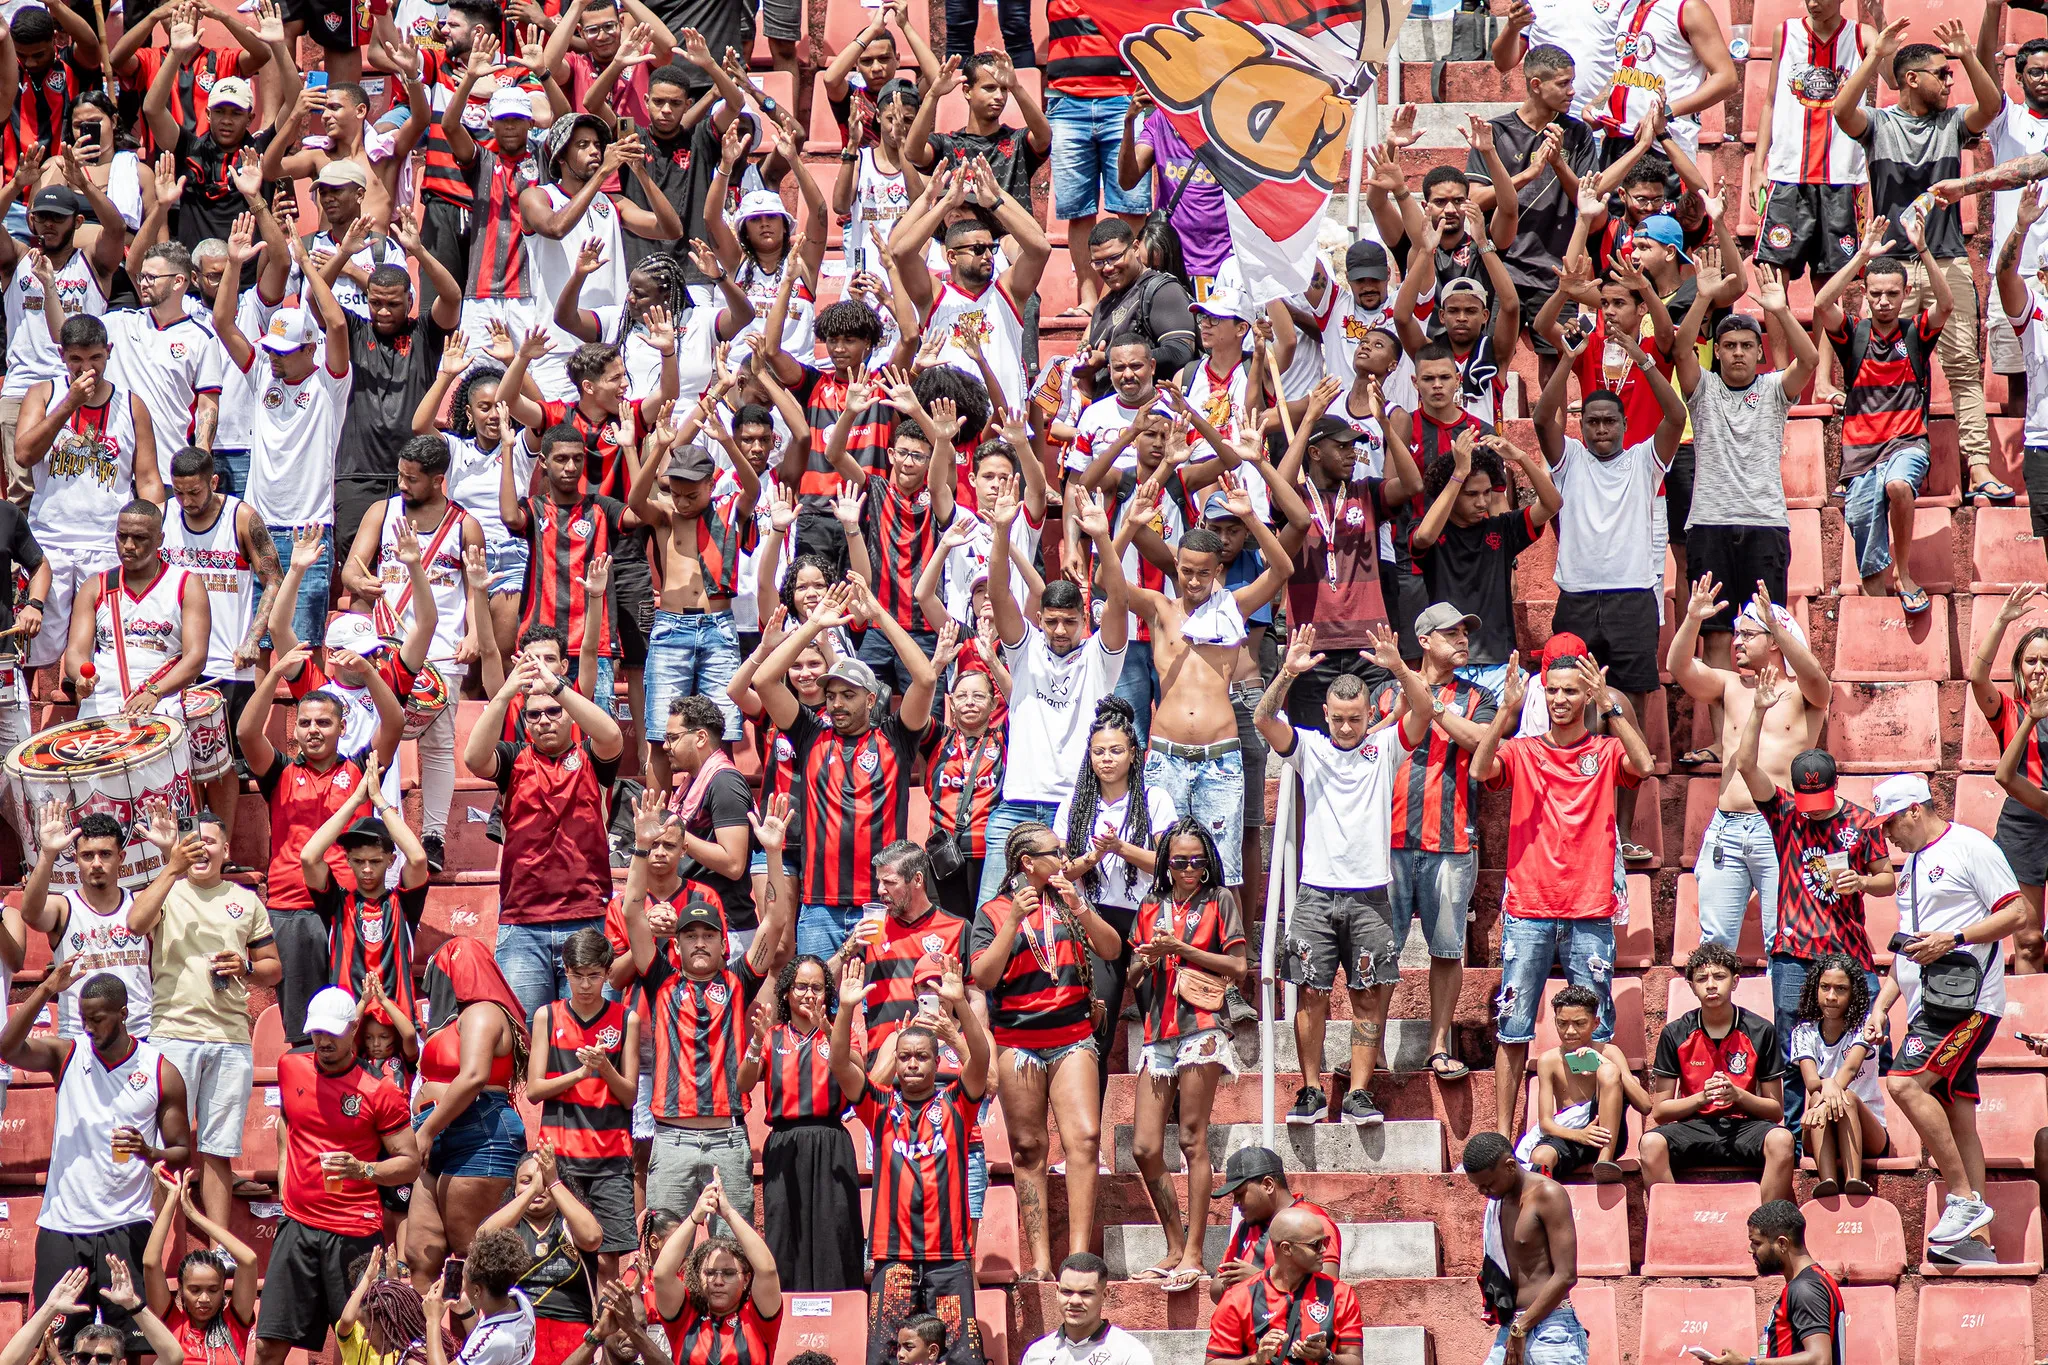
1584	1062
1899	944
451	1277
1699	1352
316	80
2036	1038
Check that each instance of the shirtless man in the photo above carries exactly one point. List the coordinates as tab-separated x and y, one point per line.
1739	855
1192	754
342	113
1531	1257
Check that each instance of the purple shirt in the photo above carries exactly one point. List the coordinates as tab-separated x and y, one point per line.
1200	217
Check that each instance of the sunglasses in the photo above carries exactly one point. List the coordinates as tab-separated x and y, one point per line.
1057	850
1188	862
94	1358
544	713
979	248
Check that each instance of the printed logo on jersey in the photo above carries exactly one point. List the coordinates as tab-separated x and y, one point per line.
1814	86
137	1079
716	993
1588	765
608	1037
933	943
351	1105
374	930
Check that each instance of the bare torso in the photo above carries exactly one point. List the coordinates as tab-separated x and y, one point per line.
1194	682
1789	727
1525	1239
682	573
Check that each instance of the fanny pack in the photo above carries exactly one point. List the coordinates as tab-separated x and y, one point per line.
1950	983
1203	990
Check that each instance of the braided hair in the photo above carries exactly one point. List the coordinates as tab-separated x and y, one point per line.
459	423
1111	713
665	269
1014	848
396	1319
1187	827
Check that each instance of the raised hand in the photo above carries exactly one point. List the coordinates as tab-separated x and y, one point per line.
2018	603
848	502
1705	601
771	828
1301	655
455	354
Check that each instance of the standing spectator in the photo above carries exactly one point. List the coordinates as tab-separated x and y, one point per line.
1563	872
1088	85
207	160
210	939
1136	299
164	354
1810	1319
1084	1334
554	875
1674	60
1433	853
2022	834
1912	146
860	70
964	762
1814	172
1717	1085
923	1238
1013	154
714	802
1183	187
1344	913
2019	131
1530	1259
912	930
1586	32
120	1110
1293	1299
89	924
372	921
583	1070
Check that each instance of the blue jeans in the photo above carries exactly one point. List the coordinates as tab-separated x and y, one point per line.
1737	856
1004	818
692	654
1492	677
821	930
1210	790
878	653
507	563
530	955
231	468
309	619
1086	134
1437	887
1528	947
1139	685
607	680
1788	983
1559	1339
1867	509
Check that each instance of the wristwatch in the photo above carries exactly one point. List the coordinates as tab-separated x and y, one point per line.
1611	712
1960	940
1517	1331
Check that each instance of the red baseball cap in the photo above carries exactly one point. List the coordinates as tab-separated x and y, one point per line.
930	967
1564	645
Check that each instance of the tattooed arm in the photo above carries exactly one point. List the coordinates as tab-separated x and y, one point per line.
262	553
2007	175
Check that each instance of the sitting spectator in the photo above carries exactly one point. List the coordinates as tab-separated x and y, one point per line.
1309	1310
1583	1096
1717	1085
1838	1069
1255	1182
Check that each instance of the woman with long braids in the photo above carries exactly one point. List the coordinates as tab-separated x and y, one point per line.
1033	952
810	1186
658	284
1190	948
211	1322
2022	834
1110	823
388	1318
471	1138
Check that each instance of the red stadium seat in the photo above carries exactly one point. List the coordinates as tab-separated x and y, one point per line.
1976	1324
1944	486
1931	561
1699	1230
1685	935
268	1043
2012	1108
1981	748
1979	799
997	1244
836	1324
995	1141
1717	1319
1702	799
1756	79
18	1242
1878	642
992	1311
2026	1011
1873	1323
259	1233
1628	1021
26	1131
1594	1306
1885	727
1859	1238
2015	1230
1600	1212
2004	551
1881	921
1803	576
259	1139
1649	823
1805	462
1635	943
457	910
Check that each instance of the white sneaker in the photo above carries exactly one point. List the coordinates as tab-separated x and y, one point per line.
1960	1216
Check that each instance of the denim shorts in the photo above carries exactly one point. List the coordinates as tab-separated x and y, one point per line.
1528	947
1210	790
1867	510
507	563
1086	133
1206	1047
486	1141
1559	1339
691	654
1437	889
1046	1058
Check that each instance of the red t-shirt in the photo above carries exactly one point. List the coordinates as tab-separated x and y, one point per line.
193	1338
1639	408
1561	825
1321	1305
352	1113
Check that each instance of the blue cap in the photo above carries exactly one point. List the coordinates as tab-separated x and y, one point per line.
1662	227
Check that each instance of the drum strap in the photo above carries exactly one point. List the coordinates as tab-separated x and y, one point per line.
111	588
386	616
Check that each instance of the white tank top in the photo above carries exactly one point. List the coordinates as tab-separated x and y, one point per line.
879	199
444	576
1807	148
555	261
215	554
148	636
87	476
88	1191
473	475
31	354
995	317
1654	58
1587	32
102	943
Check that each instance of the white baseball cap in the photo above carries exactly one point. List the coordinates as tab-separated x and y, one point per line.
1226	303
290	328
511	102
353	633
332	1011
1895	794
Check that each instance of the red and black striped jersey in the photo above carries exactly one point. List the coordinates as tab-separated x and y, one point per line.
1080	58
855	802
2011	715
193	83
1248	1240
723	535
441	175
1810	1304
1322	1304
1042	999
1433	799
604	472
824	397
797	1074
920	1173
498	268
955	763
892	957
1886	397
586	1121
1210	925
700	1030
778	778
43	105
743	1337
562	541
372	939
902	536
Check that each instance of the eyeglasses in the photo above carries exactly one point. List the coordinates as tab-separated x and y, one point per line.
94	1358
1111	262
544	713
1943	74
154	279
1188	862
985	248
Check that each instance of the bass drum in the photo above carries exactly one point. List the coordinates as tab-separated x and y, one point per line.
113	765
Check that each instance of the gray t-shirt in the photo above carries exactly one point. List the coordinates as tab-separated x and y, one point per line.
1737	437
1908	155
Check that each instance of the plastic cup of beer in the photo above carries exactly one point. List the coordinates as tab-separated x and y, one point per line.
1838	863
122	1155
328	1169
871	916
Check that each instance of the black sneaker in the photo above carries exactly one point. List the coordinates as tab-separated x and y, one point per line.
1236	1009
1310	1105
1360	1110
437	852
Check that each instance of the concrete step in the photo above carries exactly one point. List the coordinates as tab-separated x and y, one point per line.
1383	1346
1406	1045
1404	1146
1372	1251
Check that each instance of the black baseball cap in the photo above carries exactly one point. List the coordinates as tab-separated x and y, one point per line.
57	199
1329	428
1813	781
366	831
698	910
1249	1163
1365	261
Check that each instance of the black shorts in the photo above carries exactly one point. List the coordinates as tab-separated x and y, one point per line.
1722	1140
1809	227
1738	556
633	618
59	1253
605	1185
2023	838
1678	494
1947	1047
308	1283
1532	301
331	24
1577	1156
1620	627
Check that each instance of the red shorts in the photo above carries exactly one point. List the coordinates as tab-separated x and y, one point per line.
553	1339
1949	1053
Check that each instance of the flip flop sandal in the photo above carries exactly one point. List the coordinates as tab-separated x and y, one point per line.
254	1189
1182	1280
1152	1272
1993	490
1856	1188
1607	1173
1916	602
1693	758
1451	1070
1826	1189
1636	853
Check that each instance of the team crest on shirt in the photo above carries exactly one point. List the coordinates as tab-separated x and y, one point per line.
608	1037
1737	1064
824	1050
373	931
273	398
716	993
869	761
1848	837
340	782
1588	765
573	763
351	1105
58	83
1778	236
204	80
177	350
138	1079
933	943
580	527
1372	752
1937	874
1354	516
1316	1310
1847	244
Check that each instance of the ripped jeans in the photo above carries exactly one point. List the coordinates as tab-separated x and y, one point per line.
1528	947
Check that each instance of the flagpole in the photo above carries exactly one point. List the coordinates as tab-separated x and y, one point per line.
1364	132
